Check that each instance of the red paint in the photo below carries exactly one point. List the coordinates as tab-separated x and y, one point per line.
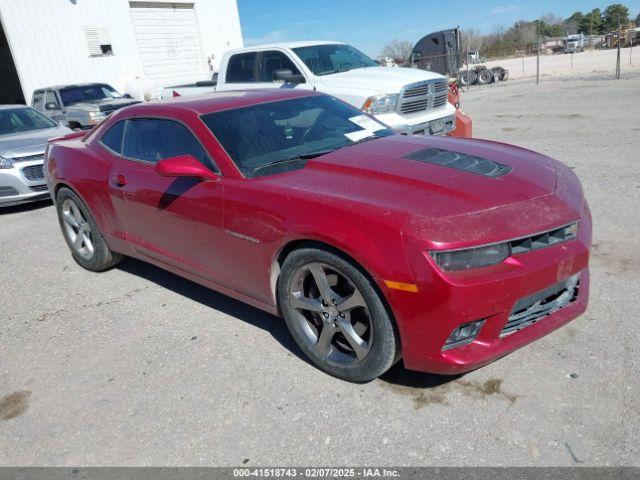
225	231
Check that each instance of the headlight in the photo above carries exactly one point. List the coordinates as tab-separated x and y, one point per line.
380	104
96	115
5	163
471	257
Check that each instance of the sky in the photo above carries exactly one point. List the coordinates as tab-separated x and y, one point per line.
369	25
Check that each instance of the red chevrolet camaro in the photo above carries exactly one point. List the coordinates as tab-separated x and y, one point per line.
447	253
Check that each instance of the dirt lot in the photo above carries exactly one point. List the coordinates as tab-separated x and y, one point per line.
566	65
138	367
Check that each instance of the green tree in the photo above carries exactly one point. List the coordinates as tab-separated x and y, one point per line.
612	14
638	20
591	23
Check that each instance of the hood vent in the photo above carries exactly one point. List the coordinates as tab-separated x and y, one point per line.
460	161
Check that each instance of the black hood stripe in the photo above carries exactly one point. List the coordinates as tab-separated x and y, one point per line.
460	161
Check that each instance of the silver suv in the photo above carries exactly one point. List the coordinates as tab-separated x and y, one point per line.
79	106
23	141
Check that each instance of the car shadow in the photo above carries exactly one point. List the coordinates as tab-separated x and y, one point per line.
214	300
396	375
25	207
400	376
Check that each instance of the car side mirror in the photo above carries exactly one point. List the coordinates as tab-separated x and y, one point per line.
51	106
127	95
288	76
184	166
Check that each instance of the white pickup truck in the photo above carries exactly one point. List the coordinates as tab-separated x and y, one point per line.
409	100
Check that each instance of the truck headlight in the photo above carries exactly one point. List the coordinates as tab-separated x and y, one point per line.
5	163
96	115
471	257
380	104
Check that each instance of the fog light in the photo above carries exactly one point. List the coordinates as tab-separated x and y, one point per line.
463	334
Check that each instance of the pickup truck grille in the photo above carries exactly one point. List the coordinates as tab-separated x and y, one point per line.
422	96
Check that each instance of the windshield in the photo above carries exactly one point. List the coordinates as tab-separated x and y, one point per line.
88	93
14	120
328	59
282	132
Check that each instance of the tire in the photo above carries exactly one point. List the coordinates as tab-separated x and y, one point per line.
466	81
361	341
485	76
82	234
497	73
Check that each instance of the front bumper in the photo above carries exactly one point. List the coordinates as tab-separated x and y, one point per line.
447	300
440	121
16	188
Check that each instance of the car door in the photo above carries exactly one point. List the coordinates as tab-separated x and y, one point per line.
53	107
253	70
178	221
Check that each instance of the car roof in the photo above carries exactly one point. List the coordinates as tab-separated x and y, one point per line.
217	101
308	43
70	85
16	105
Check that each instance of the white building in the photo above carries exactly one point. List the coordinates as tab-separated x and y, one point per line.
120	42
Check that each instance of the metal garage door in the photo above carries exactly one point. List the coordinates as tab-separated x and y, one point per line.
168	41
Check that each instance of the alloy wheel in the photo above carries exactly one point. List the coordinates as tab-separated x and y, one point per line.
77	229
331	313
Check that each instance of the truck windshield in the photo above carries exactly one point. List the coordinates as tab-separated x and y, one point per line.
328	59
273	137
87	93
14	120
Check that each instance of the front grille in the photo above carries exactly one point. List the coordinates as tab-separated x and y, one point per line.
39	188
545	239
533	308
423	96
33	172
29	158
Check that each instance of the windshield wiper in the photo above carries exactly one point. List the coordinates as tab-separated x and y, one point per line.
296	158
309	156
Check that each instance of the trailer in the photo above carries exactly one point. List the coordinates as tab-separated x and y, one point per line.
441	52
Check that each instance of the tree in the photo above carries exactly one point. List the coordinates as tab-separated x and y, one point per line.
613	14
572	23
398	50
591	23
638	20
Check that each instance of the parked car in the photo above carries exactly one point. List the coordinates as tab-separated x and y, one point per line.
408	100
374	246
79	106
23	140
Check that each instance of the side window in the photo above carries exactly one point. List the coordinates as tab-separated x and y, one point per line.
51	98
154	139
38	100
272	61
242	68
112	139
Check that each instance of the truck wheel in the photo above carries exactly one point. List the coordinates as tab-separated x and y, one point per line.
75	126
485	76
466	80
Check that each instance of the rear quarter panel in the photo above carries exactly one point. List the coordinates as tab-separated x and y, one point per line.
78	166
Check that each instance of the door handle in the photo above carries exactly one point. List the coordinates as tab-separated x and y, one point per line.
121	180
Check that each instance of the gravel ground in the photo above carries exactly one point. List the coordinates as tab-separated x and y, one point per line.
566	65
136	366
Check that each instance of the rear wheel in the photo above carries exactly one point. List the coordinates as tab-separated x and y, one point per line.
467	78
485	76
81	232
336	316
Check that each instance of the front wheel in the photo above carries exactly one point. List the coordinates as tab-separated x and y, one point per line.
336	316
81	232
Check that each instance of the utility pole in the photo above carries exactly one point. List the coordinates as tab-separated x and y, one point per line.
591	31
538	56
618	54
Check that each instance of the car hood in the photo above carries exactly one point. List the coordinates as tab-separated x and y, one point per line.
380	79
105	104
28	143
